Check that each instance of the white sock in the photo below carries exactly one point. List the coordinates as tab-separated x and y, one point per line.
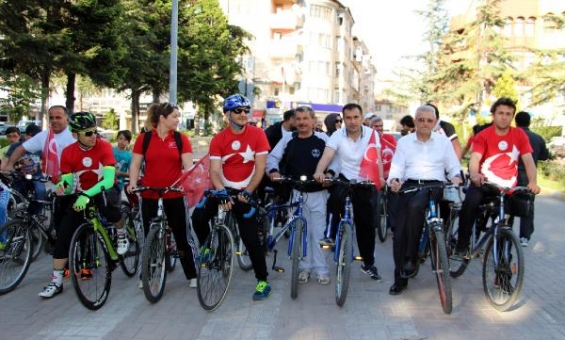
57	277
121	233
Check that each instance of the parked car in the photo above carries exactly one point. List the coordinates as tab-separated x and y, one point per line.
3	128
22	124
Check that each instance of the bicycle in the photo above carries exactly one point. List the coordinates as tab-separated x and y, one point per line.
20	243
432	242
382	228
159	252
343	249
503	262
93	256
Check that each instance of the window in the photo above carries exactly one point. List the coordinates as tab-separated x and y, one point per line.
507	30
530	28
519	27
322	12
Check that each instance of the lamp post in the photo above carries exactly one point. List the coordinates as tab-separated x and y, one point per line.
174	50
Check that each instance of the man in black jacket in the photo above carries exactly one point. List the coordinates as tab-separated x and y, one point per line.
276	131
539	153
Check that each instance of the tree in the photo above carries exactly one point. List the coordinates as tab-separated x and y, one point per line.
506	87
111	120
22	91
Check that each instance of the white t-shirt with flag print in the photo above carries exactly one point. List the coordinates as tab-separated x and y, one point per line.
37	142
350	153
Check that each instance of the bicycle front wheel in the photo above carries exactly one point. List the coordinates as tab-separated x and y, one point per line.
382	229
153	268
90	267
503	270
343	266
440	267
296	254
15	257
130	260
215	270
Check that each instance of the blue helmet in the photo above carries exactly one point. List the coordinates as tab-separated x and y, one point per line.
234	101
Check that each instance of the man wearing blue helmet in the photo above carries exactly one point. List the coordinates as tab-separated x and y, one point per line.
237	163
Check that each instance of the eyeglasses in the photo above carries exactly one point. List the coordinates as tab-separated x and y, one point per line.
425	120
241	110
90	133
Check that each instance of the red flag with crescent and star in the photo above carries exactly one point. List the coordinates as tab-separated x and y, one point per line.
196	180
50	158
369	167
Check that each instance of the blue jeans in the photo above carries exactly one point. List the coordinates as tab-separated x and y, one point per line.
4	200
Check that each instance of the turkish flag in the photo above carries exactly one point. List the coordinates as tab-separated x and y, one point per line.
196	180
369	167
50	159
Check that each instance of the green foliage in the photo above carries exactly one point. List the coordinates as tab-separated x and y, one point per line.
547	132
21	93
111	120
506	87
552	170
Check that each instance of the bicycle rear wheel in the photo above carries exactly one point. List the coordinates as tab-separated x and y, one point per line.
382	229
215	270
440	267
503	270
153	268
15	257
457	265
343	265
130	260
297	252
90	267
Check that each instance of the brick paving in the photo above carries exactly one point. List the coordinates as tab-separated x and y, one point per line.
369	312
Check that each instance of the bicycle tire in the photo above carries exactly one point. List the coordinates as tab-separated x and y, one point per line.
500	290
457	265
241	252
153	268
129	262
297	235
16	256
216	271
171	254
37	239
382	229
89	265
343	265
440	265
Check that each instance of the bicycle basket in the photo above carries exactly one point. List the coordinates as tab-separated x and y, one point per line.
519	204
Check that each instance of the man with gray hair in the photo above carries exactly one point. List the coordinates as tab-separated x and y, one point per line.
420	158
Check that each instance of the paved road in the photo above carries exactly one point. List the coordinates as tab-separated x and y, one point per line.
369	313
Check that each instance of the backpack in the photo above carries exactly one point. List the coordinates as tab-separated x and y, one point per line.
147	140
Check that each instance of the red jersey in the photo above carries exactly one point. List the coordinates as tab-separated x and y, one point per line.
87	166
500	154
237	154
163	165
388	146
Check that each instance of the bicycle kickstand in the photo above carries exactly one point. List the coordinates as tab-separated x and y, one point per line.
275	267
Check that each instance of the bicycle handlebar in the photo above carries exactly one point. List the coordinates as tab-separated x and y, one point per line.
233	195
159	190
418	187
506	190
351	183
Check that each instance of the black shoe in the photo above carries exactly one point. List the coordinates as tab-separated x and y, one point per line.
462	253
372	272
396	289
409	270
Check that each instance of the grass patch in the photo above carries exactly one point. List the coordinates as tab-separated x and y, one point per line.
549	184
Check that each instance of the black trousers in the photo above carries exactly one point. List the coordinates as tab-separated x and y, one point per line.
363	201
176	211
248	227
410	217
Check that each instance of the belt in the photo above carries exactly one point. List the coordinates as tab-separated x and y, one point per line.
422	181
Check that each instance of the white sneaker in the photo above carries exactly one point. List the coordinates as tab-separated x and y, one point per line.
524	241
140	284
323	279
303	276
123	245
193	283
51	290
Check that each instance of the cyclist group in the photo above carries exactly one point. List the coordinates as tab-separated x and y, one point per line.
242	155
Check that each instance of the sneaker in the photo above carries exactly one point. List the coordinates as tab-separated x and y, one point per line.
123	244
502	282
140	284
262	291
524	241
193	283
323	279
463	254
303	276
327	242
51	290
85	274
372	272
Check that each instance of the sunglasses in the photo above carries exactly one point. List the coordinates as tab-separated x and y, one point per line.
241	110
339	120
425	120
90	133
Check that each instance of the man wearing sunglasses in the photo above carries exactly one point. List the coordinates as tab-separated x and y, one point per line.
237	165
421	157
82	165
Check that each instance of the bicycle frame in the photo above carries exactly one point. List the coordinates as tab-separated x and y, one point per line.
490	232
347	218
273	239
101	230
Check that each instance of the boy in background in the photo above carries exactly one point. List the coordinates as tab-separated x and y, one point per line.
123	157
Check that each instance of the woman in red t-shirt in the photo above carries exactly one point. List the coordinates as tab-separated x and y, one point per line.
164	163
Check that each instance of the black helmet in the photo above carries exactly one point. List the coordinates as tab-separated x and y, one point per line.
81	121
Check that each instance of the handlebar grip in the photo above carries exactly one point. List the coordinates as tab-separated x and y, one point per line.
250	213
202	203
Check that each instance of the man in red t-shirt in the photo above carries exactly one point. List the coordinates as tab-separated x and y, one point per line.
494	158
87	168
237	164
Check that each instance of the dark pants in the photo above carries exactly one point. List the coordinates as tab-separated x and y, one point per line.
248	227
175	209
70	220
409	226
526	223
392	209
467	215
363	201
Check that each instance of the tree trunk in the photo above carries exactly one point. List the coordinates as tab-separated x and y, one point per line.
156	95
44	99
135	94
70	93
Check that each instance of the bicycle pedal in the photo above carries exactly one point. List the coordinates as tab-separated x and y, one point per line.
358	258
279	269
